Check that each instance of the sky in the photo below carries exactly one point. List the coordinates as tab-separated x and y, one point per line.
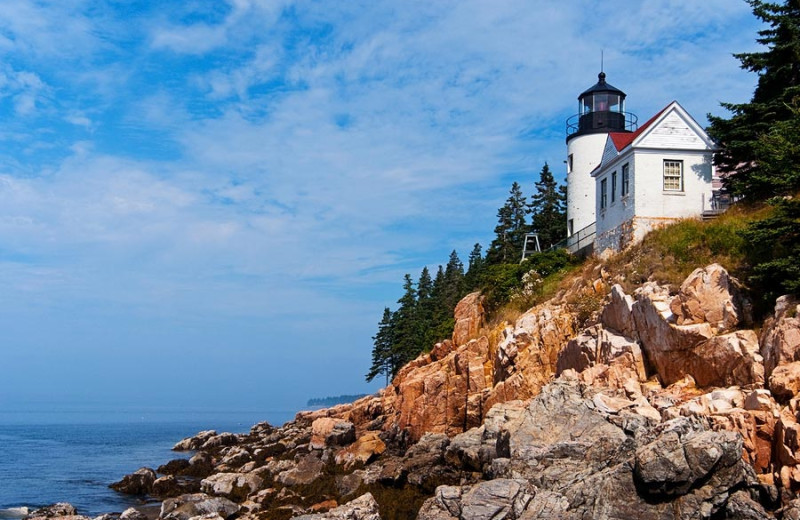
207	204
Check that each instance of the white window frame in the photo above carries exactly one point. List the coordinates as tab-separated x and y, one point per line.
626	180
673	175
603	193
613	186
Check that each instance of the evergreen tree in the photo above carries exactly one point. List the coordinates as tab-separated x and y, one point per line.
425	309
474	268
773	107
438	305
510	230
548	206
383	359
405	330
453	282
774	251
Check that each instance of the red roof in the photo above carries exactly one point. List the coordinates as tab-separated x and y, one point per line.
623	139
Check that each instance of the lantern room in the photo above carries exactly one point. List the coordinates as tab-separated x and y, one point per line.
601	109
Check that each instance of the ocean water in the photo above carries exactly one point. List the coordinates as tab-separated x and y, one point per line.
73	456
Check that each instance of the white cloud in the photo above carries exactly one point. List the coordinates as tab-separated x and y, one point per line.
262	165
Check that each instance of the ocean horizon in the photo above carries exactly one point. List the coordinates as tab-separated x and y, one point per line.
73	454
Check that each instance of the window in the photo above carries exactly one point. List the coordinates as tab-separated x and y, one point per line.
569	164
625	179
673	175
570	227
613	187
603	193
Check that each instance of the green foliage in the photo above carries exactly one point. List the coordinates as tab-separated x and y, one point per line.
548	207
774	251
383	356
759	141
475	268
504	283
510	230
669	254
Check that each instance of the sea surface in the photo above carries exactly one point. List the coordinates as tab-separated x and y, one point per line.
72	456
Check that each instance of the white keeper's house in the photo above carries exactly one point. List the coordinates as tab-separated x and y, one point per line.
624	180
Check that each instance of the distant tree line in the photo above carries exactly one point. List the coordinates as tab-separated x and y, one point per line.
334	400
424	314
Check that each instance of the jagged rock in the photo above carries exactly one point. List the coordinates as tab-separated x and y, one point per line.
792	510
730	359
185	507
140	482
132	514
201	465
327	431
231	485
617	314
306	471
173	467
63	510
194	443
235	457
362	451
666	345
780	337
597	345
468	318
346	485
167	486
490	500
741	506
759	399
362	508
681	456
596	470
710	295
423	464
785	380
216	441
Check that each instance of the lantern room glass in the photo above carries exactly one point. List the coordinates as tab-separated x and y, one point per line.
601	102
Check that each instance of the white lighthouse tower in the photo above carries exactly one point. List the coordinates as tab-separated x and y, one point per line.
601	109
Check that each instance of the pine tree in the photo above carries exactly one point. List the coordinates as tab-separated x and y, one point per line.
510	230
453	282
474	268
406	329
425	309
548	207
774	105
383	359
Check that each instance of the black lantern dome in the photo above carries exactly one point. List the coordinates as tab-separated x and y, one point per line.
601	109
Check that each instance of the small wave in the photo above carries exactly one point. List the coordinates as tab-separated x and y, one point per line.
14	512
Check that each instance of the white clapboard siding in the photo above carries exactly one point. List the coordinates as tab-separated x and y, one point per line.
673	132
609	152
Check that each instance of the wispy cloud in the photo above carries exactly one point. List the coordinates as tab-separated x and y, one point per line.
266	171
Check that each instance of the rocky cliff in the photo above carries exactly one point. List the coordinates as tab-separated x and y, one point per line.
663	403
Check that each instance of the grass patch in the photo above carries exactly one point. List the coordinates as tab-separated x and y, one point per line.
669	254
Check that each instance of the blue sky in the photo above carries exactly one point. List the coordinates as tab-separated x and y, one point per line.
209	203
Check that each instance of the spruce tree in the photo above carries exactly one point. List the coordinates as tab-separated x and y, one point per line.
425	309
383	359
474	269
510	230
548	208
773	109
453	282
405	332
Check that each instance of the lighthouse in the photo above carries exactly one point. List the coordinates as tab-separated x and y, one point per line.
601	110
